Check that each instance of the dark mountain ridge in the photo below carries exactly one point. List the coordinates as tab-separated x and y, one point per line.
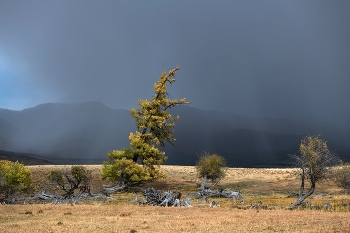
85	132
24	158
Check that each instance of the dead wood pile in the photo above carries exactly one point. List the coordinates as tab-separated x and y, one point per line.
205	193
159	198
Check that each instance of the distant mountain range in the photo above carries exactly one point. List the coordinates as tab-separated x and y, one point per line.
24	158
84	133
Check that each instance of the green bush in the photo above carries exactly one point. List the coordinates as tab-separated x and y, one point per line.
120	169
70	182
14	177
212	166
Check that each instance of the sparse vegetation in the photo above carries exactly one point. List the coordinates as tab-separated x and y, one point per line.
14	178
153	130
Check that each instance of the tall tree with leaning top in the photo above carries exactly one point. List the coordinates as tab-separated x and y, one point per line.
155	126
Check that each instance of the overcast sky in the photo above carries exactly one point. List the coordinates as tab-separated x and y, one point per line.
259	58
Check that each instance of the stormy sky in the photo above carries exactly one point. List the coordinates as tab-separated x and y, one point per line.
286	59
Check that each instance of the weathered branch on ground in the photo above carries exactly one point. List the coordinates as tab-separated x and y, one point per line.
220	193
159	198
73	199
118	188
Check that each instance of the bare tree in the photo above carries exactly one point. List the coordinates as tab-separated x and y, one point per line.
314	163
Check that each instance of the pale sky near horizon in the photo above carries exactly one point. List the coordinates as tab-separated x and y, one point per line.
286	59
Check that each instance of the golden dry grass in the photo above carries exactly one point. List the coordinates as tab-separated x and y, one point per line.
126	218
269	186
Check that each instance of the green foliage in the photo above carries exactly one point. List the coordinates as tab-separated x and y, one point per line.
70	182
342	176
212	166
56	177
14	177
79	173
154	127
315	158
123	169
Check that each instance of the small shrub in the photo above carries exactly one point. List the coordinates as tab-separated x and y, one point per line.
14	177
211	166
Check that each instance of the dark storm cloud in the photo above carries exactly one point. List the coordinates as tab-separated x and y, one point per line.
266	58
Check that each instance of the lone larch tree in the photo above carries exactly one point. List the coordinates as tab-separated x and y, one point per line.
155	126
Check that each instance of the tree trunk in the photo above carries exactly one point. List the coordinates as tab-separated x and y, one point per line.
134	159
302	197
204	184
301	190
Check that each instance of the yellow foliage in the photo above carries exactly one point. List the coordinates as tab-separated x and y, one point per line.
14	177
211	165
312	148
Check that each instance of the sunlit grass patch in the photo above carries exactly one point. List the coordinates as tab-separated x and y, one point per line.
266	190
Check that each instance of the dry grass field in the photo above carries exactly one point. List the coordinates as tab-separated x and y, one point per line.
126	218
268	186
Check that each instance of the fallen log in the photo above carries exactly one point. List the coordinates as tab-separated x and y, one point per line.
75	199
109	190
